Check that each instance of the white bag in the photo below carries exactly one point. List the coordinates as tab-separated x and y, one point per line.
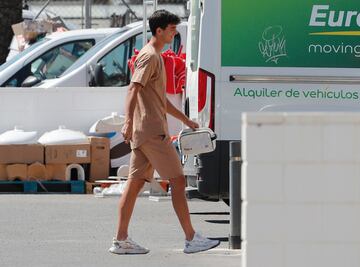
199	141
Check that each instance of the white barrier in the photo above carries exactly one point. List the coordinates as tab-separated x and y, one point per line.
301	190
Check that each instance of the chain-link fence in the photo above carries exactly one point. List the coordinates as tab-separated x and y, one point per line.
103	13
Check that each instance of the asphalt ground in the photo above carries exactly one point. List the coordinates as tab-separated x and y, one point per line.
76	230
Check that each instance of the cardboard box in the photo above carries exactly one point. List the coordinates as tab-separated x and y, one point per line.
17	171
58	24
30	29
100	158
3	172
67	154
55	171
36	171
21	154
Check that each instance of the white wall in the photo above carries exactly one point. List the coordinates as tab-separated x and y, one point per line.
301	190
39	109
44	109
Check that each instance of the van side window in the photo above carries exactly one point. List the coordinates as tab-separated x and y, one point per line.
115	63
175	46
52	63
139	41
116	71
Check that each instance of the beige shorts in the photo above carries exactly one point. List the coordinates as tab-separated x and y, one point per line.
156	153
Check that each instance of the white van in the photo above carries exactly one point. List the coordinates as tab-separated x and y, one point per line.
50	57
266	56
108	60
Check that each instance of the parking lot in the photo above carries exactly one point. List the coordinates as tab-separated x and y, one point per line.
76	230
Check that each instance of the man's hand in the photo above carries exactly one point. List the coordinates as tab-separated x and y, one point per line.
126	131
191	124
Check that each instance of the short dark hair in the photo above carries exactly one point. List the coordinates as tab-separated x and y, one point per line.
162	18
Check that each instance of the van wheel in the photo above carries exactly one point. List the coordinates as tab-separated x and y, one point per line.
227	201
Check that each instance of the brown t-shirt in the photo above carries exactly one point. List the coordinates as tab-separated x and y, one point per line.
150	110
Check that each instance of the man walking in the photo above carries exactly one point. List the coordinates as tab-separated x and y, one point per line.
147	131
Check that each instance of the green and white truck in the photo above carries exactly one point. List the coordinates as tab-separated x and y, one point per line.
259	56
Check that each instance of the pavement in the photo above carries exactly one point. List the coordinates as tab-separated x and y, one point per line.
76	230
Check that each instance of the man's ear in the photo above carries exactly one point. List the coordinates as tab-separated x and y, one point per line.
158	30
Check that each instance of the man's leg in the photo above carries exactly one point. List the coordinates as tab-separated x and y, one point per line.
126	206
181	206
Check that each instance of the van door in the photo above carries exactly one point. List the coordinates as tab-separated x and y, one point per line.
202	95
114	63
202	64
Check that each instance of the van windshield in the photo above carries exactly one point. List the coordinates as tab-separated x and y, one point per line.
92	51
23	53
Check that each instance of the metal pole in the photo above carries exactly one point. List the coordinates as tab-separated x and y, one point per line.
144	23
41	9
145	4
88	14
235	195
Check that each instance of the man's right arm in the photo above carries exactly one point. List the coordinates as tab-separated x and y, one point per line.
130	104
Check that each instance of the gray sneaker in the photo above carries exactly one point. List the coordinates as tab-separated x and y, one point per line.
200	243
127	246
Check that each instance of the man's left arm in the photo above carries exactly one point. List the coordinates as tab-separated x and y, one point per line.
180	116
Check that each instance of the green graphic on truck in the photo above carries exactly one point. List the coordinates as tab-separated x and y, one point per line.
277	33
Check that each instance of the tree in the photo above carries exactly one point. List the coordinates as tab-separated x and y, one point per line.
10	13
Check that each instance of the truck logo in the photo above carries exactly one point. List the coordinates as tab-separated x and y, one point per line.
273	44
321	16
